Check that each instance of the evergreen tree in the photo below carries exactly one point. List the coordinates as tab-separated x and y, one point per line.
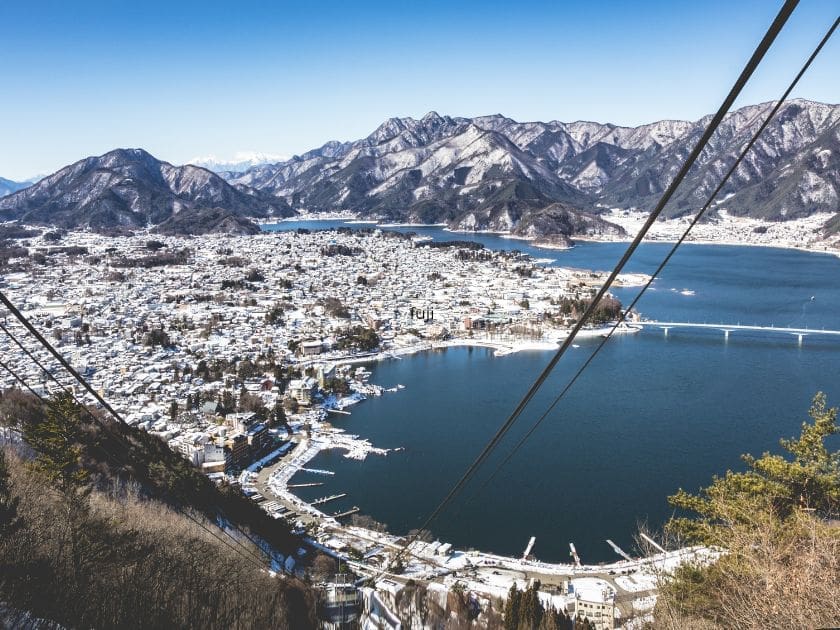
278	416
9	521
523	609
556	620
512	608
56	438
531	610
227	402
778	523
810	480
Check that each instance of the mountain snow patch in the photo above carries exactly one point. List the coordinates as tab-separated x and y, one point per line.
816	190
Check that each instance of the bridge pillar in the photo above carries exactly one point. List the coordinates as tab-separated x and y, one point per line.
726	334
666	329
800	335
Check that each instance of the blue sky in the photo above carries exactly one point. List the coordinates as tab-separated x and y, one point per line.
184	79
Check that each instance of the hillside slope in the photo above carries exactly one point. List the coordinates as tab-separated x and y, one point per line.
93	532
129	188
490	172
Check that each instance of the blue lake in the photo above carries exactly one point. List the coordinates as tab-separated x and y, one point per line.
650	415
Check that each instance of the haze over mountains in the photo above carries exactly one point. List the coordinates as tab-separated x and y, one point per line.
490	172
241	161
7	186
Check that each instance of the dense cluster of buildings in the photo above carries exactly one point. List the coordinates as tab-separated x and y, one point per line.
230	349
161	326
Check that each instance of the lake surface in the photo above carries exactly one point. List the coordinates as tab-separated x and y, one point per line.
650	415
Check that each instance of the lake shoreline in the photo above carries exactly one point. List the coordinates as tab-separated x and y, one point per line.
667	231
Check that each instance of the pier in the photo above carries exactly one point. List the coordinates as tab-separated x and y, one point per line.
316	471
323	500
352	510
619	551
305	485
529	547
573	552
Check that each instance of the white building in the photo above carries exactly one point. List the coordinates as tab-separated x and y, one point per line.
595	600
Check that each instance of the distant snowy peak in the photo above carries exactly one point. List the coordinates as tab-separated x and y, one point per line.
241	161
7	186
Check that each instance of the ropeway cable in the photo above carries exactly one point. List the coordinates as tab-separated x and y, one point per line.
35	360
667	258
96	419
251	558
759	53
84	407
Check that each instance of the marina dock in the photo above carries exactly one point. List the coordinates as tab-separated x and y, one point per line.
316	471
352	510
323	500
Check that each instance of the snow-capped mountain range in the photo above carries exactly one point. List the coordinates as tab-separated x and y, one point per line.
129	188
241	161
491	172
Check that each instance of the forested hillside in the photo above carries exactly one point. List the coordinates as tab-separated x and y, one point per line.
94	534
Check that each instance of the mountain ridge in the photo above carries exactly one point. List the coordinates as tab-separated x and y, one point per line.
540	179
129	188
443	168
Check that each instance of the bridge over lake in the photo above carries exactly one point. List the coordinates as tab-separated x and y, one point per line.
728	328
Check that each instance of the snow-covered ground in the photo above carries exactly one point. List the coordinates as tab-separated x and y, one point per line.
802	233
